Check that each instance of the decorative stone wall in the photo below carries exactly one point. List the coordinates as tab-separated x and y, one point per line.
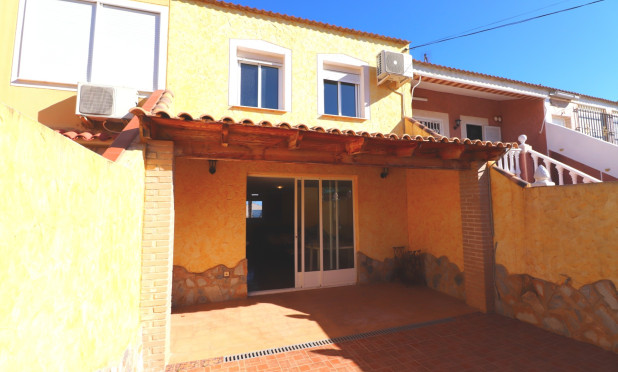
217	284
372	271
132	359
444	276
589	314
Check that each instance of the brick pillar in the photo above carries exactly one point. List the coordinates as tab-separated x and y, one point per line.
157	255
476	224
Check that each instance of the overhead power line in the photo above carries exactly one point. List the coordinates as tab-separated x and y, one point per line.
505	25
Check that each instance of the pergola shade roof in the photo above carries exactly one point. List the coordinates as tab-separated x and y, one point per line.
227	139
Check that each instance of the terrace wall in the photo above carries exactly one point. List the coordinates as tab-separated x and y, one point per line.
70	242
556	257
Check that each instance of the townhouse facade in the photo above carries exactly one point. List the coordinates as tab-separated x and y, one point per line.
276	157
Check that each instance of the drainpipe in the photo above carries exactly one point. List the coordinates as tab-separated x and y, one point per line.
412	93
403	104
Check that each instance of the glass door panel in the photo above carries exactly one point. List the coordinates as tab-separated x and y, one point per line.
337	225
325	233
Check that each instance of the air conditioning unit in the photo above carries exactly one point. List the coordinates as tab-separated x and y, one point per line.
393	66
105	101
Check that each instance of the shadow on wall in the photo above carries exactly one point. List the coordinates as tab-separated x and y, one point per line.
589	314
61	115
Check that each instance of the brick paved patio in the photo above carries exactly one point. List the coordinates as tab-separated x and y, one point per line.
461	340
474	342
276	320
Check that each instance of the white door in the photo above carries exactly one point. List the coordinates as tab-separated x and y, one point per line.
325	249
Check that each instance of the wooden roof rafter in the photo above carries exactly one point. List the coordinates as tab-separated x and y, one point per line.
247	141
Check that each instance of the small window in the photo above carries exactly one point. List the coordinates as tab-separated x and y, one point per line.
259	86
343	87
433	124
260	75
340	98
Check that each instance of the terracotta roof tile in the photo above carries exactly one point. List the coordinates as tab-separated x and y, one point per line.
309	22
86	135
162	108
434	137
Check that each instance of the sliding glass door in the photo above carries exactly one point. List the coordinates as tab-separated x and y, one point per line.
325	251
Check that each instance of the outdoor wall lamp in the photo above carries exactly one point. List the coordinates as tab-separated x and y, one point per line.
457	123
498	119
212	166
384	173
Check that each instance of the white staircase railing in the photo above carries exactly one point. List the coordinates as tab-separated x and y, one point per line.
511	162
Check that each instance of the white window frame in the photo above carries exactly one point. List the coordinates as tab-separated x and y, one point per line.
260	52
161	61
259	64
343	68
349	78
443	128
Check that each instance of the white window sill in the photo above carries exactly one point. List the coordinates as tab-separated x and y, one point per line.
341	118
65	87
258	109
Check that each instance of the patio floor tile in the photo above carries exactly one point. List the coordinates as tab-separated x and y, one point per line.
474	342
268	321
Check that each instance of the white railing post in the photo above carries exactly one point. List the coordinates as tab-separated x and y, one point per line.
515	162
560	170
524	149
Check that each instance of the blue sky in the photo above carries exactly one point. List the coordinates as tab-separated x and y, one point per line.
573	51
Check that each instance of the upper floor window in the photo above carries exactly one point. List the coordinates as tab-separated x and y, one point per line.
260	75
259	85
343	86
115	42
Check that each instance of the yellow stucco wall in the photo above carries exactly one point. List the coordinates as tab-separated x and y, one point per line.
550	231
210	209
70	238
434	214
52	107
198	65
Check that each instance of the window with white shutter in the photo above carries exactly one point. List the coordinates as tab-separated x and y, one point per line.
343	86
260	75
114	42
493	134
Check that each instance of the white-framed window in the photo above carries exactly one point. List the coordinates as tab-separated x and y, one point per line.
343	86
437	121
434	124
114	42
260	75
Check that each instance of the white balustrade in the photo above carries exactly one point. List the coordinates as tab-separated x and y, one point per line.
510	162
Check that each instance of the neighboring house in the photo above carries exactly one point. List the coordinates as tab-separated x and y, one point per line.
276	156
578	130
